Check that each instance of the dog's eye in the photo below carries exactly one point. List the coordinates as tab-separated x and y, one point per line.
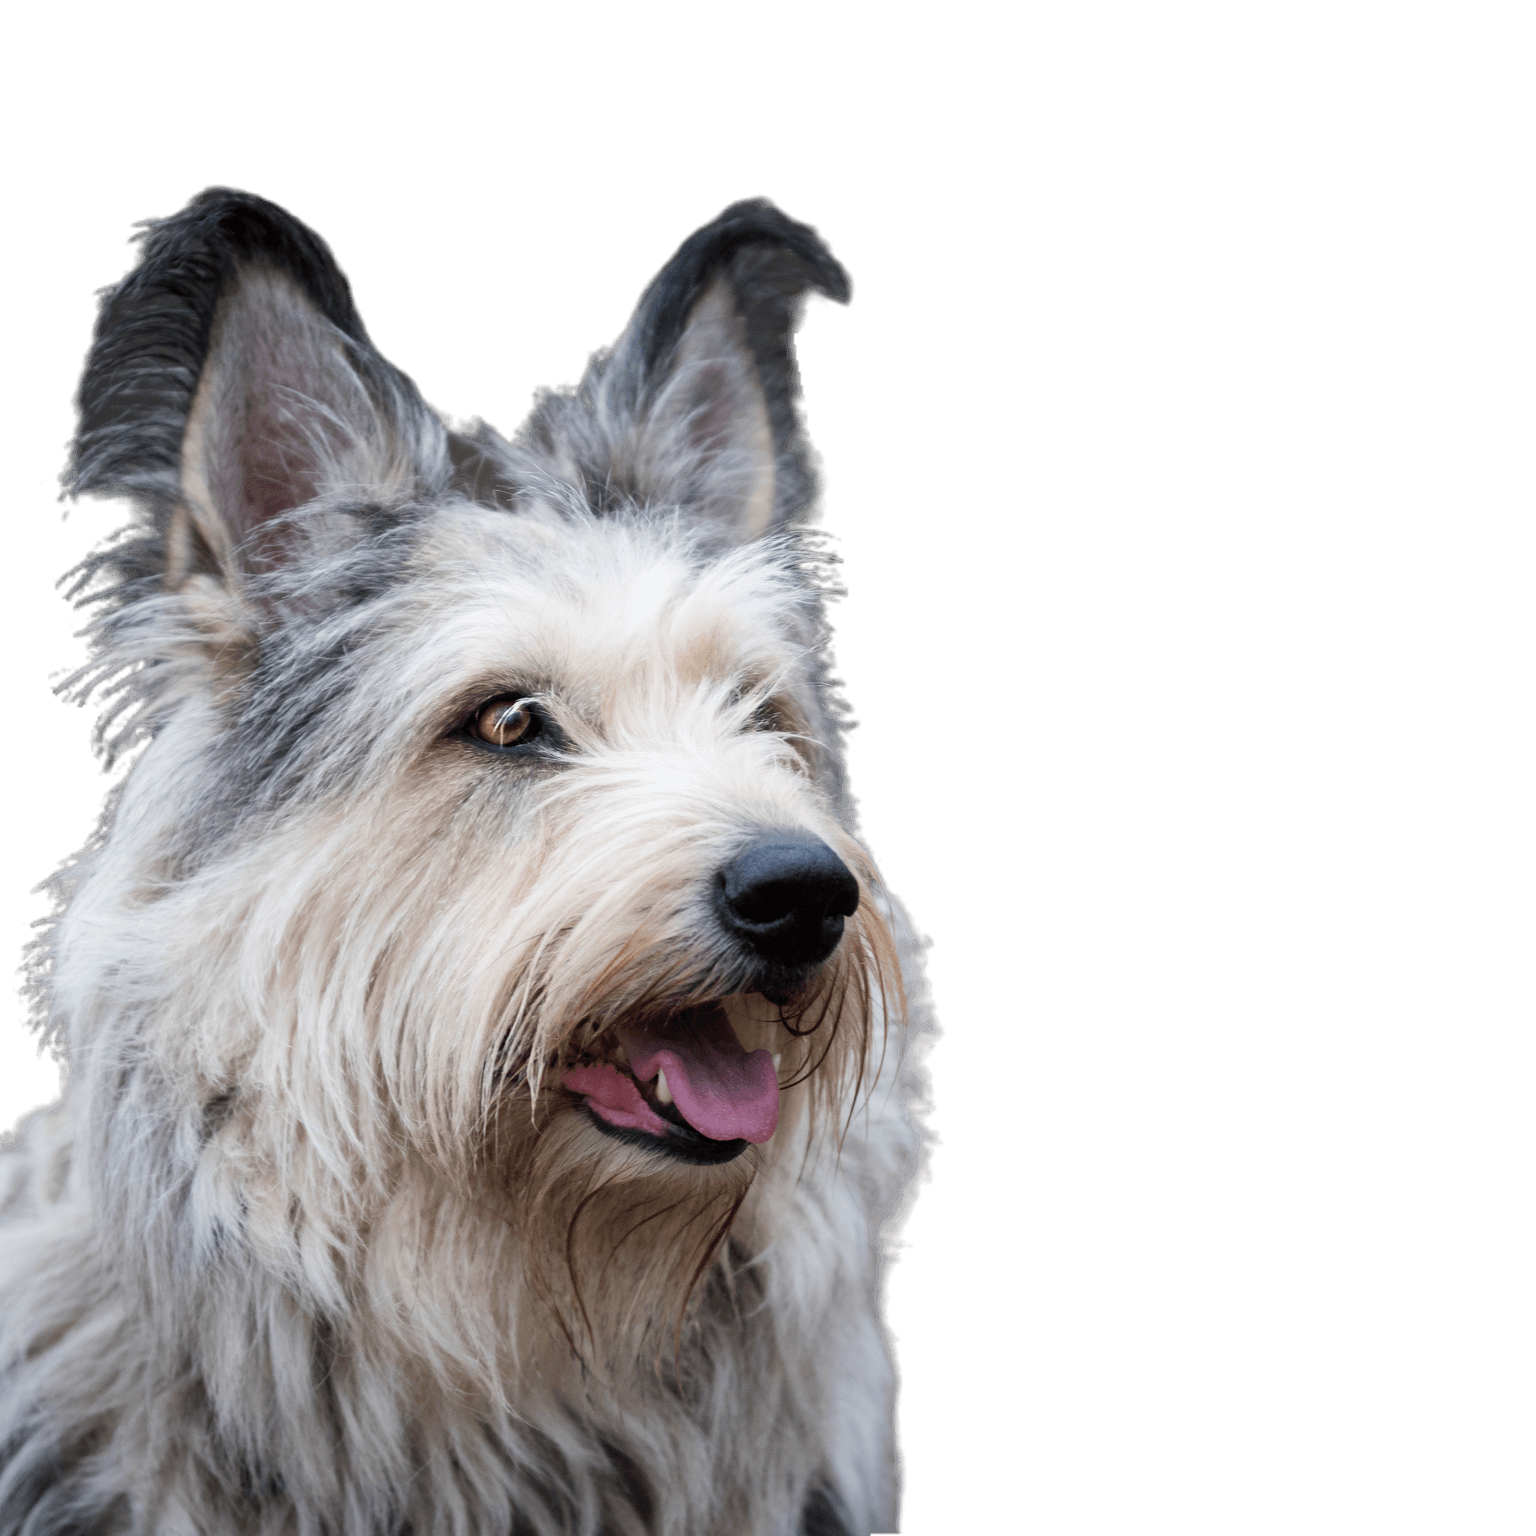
507	722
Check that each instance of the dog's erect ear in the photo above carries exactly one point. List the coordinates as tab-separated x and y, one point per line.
697	404
231	382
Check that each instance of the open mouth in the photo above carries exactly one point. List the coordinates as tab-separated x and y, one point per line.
683	1084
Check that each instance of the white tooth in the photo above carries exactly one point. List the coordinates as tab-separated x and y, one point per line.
778	1056
620	1052
662	1091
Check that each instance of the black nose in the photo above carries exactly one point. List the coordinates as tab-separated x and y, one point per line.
786	895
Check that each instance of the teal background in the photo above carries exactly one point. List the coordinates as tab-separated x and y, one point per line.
1177	442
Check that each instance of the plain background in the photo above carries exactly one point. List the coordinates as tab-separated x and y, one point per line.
1178	442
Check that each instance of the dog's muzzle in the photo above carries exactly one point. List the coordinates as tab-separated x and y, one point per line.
786	896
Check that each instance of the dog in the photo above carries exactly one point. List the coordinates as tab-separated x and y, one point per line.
491	1067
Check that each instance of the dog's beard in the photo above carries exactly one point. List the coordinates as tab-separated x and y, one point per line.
615	1239
624	1203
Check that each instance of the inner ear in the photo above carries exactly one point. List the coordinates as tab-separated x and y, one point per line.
280	416
714	402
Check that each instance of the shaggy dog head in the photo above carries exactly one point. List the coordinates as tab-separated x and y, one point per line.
481	919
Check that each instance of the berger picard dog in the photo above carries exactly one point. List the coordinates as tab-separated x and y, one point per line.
489	1082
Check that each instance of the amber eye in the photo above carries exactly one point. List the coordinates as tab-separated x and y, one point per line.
506	722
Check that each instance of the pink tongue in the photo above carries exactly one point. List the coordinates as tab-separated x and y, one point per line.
719	1089
615	1098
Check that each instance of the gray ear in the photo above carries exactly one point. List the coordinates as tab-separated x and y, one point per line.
704	437
286	413
230	383
697	405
